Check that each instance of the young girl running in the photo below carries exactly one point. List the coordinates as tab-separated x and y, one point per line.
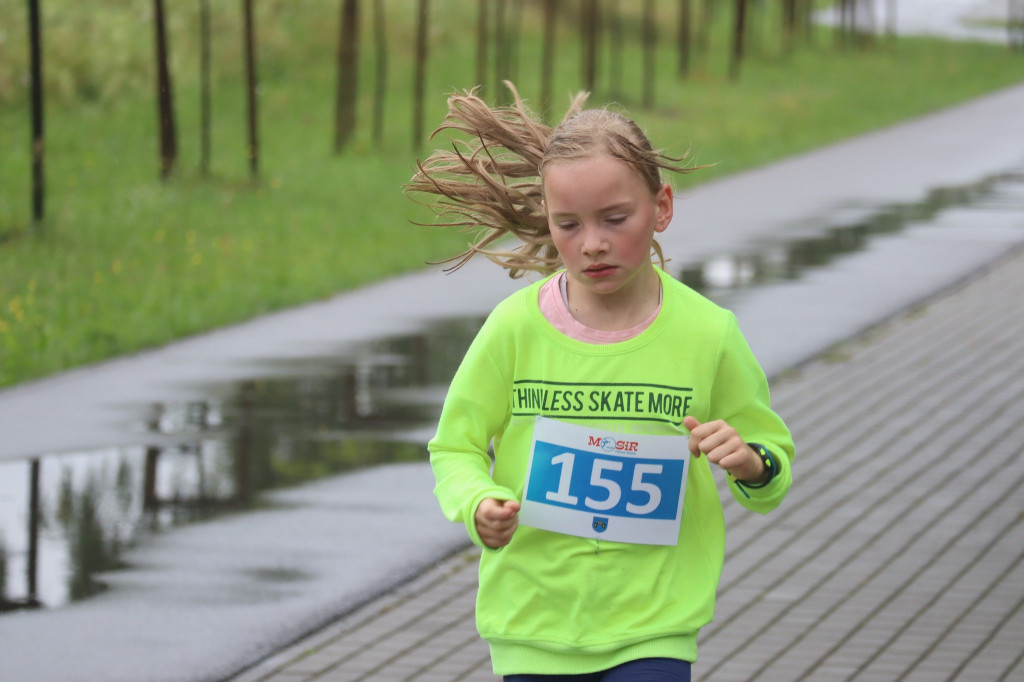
599	388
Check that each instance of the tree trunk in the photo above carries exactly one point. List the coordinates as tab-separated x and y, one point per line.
165	96
1015	25
844	26
481	41
788	23
513	39
204	87
548	57
380	38
650	39
866	30
419	80
35	41
684	38
348	74
589	31
616	39
251	85
739	33
501	51
808	19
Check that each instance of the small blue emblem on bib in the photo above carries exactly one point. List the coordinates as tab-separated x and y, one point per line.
600	524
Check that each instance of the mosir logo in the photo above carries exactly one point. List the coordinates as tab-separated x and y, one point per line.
609	444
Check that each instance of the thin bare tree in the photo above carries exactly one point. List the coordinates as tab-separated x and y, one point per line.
251	84
616	39
844	22
482	40
789	21
513	39
684	38
501	52
589	30
380	40
164	93
856	22
1015	25
869	24
807	14
508	18
420	77
348	74
204	87
35	43
738	35
650	42
548	55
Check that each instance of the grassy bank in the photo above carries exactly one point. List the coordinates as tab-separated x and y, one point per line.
125	261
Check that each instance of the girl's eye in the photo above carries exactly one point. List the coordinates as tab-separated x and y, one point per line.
566	226
617	219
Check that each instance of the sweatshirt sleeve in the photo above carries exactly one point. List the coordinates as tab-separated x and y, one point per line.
475	409
740	397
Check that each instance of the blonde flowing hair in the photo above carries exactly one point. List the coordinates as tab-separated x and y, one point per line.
491	183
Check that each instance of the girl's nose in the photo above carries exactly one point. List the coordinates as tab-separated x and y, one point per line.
593	241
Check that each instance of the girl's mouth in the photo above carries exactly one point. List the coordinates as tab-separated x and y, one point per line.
599	270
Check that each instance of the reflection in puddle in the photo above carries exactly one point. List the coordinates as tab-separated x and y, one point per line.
788	257
65	519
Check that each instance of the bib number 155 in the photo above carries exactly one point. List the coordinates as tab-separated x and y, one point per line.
613	485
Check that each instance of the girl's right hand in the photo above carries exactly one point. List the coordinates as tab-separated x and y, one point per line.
496	521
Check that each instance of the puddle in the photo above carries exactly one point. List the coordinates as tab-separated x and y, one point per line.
789	256
65	519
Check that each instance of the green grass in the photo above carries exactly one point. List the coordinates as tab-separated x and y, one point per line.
126	261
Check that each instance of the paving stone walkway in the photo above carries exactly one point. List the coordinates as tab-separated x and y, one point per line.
897	555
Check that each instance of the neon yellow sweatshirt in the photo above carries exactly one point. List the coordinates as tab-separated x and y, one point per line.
560	604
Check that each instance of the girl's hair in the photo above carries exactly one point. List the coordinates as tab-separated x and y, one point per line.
491	183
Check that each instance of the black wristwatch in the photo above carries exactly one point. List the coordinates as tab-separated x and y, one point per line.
770	465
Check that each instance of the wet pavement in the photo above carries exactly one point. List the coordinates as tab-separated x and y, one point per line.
808	252
897	555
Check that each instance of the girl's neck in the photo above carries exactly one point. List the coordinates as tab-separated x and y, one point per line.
622	309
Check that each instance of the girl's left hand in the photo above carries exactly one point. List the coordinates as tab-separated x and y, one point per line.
722	445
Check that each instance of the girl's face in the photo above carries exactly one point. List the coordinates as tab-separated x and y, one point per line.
602	218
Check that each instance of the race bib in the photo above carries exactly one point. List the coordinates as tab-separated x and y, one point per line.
599	484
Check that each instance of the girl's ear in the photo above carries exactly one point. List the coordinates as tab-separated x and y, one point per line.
663	205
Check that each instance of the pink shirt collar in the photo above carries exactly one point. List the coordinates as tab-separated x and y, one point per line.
554	305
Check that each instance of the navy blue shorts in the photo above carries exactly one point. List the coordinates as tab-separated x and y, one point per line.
642	670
